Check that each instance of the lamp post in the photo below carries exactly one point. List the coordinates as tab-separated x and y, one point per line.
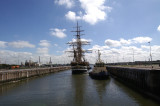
150	54
0	60
133	54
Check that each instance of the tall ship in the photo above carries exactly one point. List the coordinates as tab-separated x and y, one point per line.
79	64
99	71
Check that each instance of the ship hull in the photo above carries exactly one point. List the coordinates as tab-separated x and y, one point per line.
79	71
99	76
79	68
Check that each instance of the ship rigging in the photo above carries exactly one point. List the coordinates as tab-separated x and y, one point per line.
79	63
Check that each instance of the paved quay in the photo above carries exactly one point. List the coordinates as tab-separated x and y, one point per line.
16	74
149	67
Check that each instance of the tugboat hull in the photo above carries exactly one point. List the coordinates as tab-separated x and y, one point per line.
99	76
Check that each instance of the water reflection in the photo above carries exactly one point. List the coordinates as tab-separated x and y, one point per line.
79	84
133	94
100	86
6	87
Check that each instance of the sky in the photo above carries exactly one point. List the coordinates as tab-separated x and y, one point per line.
123	30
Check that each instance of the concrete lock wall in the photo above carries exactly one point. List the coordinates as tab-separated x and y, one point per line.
144	79
11	75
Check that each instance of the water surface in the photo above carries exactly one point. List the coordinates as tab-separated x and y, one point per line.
65	89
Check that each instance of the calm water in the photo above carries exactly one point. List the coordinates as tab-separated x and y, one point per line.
63	88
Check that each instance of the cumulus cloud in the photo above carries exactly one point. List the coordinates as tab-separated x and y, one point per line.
87	40
155	48
3	44
125	42
158	29
121	42
101	48
82	39
11	57
124	54
72	16
42	50
58	32
94	11
145	47
141	39
67	3
56	45
112	43
44	43
21	44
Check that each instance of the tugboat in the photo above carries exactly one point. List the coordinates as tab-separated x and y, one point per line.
99	71
78	65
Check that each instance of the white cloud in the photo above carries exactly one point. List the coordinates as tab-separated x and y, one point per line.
82	39
3	44
67	3
141	39
42	50
121	42
72	16
112	43
116	43
125	42
96	47
56	45
155	48
101	48
21	44
158	29
44	43
58	32
88	40
11	57
94	11
123	54
145	47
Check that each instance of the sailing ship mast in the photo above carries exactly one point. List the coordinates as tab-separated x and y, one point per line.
77	46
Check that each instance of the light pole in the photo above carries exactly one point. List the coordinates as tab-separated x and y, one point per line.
150	53
0	60
18	58
133	54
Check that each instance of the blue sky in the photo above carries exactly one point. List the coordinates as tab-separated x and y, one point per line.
32	28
